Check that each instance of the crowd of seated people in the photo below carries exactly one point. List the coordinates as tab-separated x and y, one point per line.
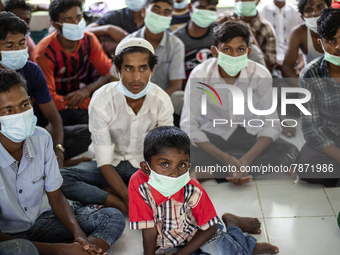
116	87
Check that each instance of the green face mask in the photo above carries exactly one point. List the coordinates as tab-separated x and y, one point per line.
232	65
203	18
157	23
335	60
167	185
245	9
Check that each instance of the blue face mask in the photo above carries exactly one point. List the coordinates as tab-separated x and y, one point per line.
14	59
18	127
121	88
167	185
181	5
73	32
135	5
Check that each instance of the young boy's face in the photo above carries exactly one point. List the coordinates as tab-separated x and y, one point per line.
160	8
135	71
13	42
204	5
25	15
313	8
332	45
235	48
170	162
14	101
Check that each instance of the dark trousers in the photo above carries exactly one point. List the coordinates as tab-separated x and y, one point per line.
277	153
315	159
77	139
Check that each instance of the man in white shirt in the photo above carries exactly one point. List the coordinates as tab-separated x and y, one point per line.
217	129
120	115
284	17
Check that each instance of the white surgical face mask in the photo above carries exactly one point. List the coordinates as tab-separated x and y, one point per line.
14	59
167	185
135	5
156	23
311	24
18	127
232	65
335	60
73	32
121	88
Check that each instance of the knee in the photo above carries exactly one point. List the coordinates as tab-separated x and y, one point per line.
115	217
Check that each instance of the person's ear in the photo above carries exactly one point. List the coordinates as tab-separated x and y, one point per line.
143	11
57	27
214	51
189	6
319	42
249	51
302	17
117	72
145	168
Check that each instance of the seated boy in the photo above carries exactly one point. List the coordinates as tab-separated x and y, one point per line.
64	57
248	138
29	174
173	210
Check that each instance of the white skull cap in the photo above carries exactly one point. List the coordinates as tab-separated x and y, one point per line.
134	42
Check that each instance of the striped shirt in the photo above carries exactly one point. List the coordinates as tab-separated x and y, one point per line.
265	36
177	218
322	128
63	70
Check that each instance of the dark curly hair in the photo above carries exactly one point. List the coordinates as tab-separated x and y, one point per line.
165	137
10	78
329	23
16	4
227	31
11	23
59	6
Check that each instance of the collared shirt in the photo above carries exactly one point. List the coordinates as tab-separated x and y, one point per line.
122	18
170	53
177	218
265	36
322	128
255	76
22	188
283	20
117	133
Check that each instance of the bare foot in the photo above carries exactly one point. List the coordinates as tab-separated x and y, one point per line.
73	162
261	248
289	131
292	173
246	224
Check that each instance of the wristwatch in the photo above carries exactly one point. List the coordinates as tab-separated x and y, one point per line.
59	147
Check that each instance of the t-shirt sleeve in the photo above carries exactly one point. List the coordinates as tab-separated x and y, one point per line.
140	213
98	57
109	19
202	208
36	83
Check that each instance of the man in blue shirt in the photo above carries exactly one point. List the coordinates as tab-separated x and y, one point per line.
75	139
28	170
